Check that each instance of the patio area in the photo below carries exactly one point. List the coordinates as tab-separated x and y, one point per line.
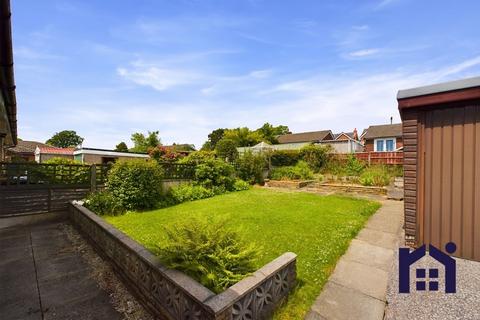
45	275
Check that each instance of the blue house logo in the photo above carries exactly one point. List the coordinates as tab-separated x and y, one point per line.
407	259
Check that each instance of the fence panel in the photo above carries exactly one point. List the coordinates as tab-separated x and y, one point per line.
388	158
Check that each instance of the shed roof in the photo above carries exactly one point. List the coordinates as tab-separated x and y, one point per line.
439	88
312	136
384	131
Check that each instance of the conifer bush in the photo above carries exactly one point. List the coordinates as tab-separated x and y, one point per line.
209	252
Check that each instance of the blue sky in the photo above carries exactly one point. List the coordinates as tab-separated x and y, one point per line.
185	67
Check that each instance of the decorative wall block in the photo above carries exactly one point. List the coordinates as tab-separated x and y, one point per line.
176	296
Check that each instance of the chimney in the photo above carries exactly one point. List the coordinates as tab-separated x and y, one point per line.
391	120
355	134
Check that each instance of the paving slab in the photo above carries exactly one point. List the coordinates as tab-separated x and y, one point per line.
357	287
42	277
370	255
355	304
363	278
379	238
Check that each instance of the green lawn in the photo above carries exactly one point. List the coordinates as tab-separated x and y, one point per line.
317	228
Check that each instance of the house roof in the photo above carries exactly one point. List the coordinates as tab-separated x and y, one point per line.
8	120
55	150
26	146
312	136
384	131
106	152
348	134
181	147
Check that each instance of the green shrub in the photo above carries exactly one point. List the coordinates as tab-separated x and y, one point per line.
240	185
250	167
208	252
226	149
103	203
353	166
315	156
215	174
61	160
189	192
65	171
136	183
198	157
282	158
375	176
301	171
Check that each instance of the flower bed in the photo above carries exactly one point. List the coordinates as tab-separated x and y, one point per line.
171	294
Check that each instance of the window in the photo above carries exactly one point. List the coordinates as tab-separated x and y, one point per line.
385	144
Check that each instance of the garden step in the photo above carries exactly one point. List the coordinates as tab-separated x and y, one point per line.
395	194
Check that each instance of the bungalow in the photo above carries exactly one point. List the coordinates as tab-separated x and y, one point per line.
103	156
8	104
345	142
306	137
24	151
383	138
44	153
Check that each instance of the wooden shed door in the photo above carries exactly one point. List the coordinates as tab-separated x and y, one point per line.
449	198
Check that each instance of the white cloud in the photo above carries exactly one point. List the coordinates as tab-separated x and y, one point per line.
260	74
338	102
158	78
364	53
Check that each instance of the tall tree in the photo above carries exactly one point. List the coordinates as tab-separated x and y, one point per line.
226	149
243	137
215	136
142	143
270	133
65	139
121	147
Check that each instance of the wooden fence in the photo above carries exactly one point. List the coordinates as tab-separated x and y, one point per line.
27	188
388	158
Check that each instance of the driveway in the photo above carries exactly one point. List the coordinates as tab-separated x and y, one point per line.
428	305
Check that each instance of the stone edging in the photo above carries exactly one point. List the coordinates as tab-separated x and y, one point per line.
312	185
170	294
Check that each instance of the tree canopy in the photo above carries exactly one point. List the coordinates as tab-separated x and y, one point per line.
65	139
121	147
142	143
226	149
244	137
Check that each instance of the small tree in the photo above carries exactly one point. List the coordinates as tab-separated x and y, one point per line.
65	139
121	147
251	167
316	156
142	143
226	150
136	183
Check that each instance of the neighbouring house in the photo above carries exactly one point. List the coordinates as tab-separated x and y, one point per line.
383	138
305	137
103	156
44	153
441	130
24	151
8	103
345	142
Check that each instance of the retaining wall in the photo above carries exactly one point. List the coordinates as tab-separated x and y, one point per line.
170	294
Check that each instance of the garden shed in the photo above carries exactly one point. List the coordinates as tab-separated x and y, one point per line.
441	134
